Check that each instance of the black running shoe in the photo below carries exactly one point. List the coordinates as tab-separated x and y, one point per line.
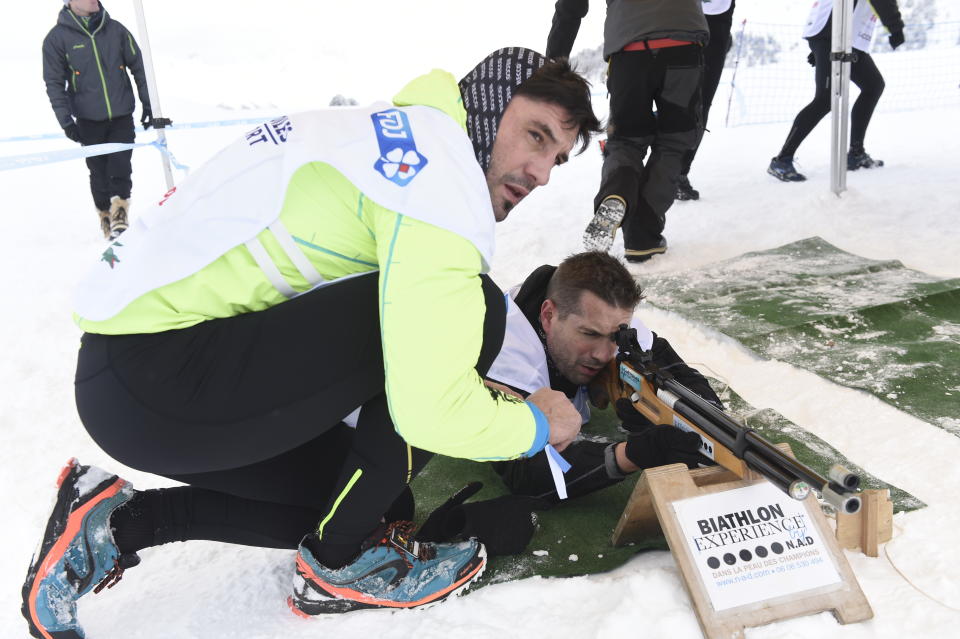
783	170
858	159
685	191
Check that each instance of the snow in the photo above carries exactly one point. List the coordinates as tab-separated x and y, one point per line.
256	59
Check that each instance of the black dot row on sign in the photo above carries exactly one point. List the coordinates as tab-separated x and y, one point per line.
745	555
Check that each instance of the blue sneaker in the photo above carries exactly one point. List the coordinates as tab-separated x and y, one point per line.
392	572
783	170
77	553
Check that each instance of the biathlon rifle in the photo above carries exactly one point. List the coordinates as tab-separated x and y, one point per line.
663	400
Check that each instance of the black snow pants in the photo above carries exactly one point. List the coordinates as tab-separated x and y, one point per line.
248	412
110	174
863	73
669	78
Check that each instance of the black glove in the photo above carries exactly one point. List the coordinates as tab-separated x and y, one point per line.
812	59
896	38
147	118
633	420
662	445
435	528
72	131
504	525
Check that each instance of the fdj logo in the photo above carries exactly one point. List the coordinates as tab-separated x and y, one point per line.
399	159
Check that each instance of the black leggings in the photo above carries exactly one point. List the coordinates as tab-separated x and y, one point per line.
863	73
714	57
247	410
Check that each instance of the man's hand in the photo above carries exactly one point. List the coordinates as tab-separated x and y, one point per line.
896	39
72	131
633	421
812	59
563	417
147	118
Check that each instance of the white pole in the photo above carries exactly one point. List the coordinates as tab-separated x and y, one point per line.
152	87
736	63
840	55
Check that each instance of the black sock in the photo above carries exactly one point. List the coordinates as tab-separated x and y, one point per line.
160	516
133	527
330	555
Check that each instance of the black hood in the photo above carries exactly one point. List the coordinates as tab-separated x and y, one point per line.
69	20
488	89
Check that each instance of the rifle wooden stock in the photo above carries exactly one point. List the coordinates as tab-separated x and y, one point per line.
658	412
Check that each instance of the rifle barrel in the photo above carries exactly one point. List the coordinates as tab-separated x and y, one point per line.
781	469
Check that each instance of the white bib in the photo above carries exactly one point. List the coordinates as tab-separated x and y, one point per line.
864	22
414	160
715	7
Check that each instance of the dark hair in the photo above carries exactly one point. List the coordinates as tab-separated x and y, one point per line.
557	83
603	275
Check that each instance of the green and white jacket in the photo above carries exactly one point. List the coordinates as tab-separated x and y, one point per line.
305	200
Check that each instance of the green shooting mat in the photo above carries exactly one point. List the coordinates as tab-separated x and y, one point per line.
866	324
574	537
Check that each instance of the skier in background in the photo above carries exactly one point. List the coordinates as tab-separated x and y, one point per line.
863	72
86	57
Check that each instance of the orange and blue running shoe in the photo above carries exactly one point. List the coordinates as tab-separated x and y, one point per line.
77	553
392	571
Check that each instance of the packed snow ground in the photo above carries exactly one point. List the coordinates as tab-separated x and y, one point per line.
907	210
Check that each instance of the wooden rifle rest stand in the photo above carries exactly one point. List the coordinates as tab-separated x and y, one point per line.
869	527
649	510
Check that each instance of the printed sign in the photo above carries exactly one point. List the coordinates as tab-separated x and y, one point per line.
753	544
276	131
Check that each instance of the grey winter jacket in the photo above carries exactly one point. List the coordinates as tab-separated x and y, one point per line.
86	71
629	21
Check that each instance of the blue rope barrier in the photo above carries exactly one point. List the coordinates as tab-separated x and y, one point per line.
185	125
35	159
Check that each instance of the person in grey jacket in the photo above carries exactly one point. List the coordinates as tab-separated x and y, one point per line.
655	54
86	58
